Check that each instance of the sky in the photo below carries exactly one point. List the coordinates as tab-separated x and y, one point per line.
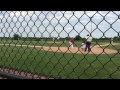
59	23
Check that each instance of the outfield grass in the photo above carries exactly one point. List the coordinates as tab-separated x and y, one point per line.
45	43
115	47
60	64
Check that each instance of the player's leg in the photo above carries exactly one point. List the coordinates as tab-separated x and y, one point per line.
70	45
86	46
89	44
82	49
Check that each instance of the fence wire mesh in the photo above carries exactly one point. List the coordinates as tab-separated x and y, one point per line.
60	44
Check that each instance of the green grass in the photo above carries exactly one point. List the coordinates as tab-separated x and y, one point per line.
115	47
44	43
60	64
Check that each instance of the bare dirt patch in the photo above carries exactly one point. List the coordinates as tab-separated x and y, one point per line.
94	50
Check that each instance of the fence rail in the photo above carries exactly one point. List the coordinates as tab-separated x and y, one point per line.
11	76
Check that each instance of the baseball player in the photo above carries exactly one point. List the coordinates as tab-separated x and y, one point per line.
71	42
83	45
88	43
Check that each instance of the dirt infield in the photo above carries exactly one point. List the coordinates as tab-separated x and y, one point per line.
94	50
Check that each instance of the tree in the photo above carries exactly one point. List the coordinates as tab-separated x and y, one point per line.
77	37
16	37
67	38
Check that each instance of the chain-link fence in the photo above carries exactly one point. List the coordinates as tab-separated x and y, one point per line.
60	44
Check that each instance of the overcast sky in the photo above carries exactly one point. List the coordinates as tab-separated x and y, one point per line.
59	23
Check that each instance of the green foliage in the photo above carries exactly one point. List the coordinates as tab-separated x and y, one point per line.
78	38
16	37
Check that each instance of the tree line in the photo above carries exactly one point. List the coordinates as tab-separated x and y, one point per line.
77	38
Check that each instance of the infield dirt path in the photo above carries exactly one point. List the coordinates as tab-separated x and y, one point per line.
97	49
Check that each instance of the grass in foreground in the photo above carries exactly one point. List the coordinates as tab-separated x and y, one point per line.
60	64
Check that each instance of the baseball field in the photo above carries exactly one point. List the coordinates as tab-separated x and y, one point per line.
54	59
